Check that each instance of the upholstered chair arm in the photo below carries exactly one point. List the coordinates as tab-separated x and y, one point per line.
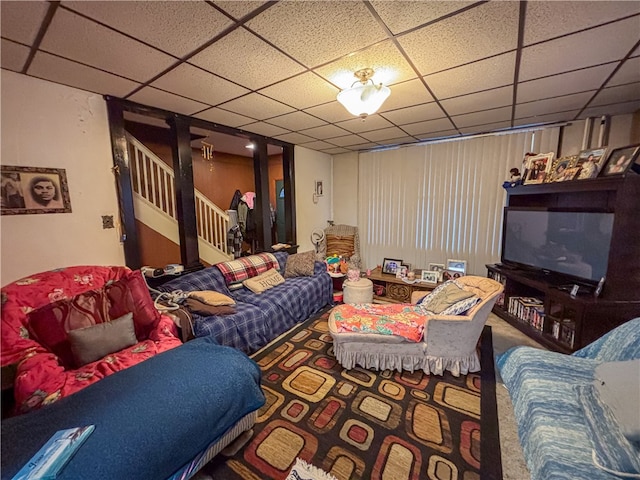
418	295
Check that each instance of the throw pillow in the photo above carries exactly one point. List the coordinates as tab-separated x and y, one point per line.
340	245
618	385
196	306
264	282
445	296
212	298
300	264
93	343
612	452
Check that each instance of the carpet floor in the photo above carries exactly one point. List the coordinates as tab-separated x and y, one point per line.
363	424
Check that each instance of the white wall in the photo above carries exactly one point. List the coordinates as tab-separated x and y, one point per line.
311	166
621	134
49	125
345	188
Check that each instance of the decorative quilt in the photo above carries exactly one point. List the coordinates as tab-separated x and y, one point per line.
403	320
243	268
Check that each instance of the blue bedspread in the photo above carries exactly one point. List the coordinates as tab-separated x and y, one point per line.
151	419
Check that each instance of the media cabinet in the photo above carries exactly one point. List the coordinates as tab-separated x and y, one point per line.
572	322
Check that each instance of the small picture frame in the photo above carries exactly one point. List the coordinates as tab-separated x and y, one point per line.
568	174
437	267
28	190
620	160
319	190
451	275
401	272
457	265
538	169
590	162
390	265
559	168
430	276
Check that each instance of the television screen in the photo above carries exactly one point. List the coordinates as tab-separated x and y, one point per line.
573	243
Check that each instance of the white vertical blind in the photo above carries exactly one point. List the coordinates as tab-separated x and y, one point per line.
429	203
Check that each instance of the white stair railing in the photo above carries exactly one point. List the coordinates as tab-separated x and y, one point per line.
153	180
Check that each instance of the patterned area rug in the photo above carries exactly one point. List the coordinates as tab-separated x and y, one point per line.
363	424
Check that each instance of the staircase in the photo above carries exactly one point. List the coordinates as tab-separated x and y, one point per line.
154	204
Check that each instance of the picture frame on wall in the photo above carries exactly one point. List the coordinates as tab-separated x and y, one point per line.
538	168
34	190
590	162
319	189
620	160
430	276
390	265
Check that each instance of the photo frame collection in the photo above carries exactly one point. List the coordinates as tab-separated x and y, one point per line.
437	272
33	190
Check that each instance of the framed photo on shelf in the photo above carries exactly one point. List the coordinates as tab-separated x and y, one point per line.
590	162
401	272
620	160
390	265
451	275
559	168
430	276
27	190
437	267
457	265
539	167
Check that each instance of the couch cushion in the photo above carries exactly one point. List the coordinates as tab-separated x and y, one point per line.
209	297
89	344
236	271
612	452
618	386
340	245
300	264
264	281
196	306
448	299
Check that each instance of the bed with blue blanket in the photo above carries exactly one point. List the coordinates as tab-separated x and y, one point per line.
258	318
160	419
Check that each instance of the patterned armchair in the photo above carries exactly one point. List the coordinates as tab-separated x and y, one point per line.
341	240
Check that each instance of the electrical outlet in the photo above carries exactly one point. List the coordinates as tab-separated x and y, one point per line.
107	221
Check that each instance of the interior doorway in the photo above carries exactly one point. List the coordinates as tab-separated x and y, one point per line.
280	212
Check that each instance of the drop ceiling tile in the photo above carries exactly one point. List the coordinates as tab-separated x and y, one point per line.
198	84
302	91
330	112
66	72
464	37
20	21
400	16
13	55
266	129
362	146
498	97
168	101
490	127
384	58
579	50
224	117
177	28
316	31
406	94
629	72
404	140
297	121
260	63
318	145
615	109
418	113
418	129
324	132
440	134
383	134
77	38
482	118
551	117
295	138
551	105
545	20
490	73
372	122
347	140
335	150
621	93
238	9
257	106
564	84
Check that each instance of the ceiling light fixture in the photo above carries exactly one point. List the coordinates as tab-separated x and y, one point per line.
365	98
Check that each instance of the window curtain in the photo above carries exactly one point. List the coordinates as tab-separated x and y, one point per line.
429	203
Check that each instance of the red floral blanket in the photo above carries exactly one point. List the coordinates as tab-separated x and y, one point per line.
400	319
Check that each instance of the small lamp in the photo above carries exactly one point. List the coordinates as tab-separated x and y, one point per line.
365	98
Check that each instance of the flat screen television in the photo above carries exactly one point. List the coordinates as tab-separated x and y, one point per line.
573	243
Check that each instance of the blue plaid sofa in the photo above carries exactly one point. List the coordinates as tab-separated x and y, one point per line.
258	318
564	430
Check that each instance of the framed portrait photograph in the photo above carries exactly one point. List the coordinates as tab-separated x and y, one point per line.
430	276
451	275
390	265
560	166
590	162
402	271
457	265
620	160
525	164
539	167
28	190
319	188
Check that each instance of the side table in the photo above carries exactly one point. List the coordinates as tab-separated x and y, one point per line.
360	291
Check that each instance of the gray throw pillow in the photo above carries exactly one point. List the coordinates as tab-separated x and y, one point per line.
300	265
95	342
